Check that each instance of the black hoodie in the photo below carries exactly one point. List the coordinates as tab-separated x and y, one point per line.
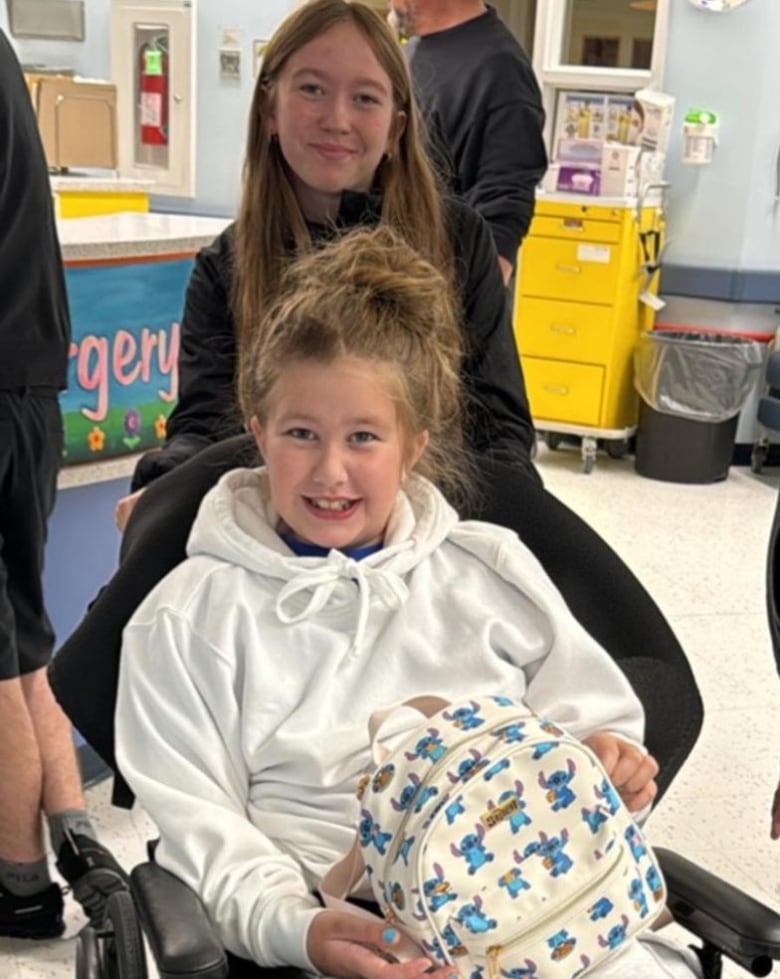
499	421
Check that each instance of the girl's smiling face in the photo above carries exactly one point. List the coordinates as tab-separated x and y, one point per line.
336	450
332	109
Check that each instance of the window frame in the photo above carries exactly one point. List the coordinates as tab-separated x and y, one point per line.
553	75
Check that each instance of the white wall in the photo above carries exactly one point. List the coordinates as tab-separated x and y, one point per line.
223	106
723	214
88	57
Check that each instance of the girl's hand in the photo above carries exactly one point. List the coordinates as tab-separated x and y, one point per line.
632	771
350	947
124	508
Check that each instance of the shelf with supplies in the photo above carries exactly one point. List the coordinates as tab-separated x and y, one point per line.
586	288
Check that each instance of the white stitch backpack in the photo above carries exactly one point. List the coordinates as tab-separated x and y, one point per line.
496	843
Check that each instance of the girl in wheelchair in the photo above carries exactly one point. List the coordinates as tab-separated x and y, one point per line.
333	581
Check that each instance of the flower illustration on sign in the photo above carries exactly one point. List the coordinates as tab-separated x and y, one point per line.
96	439
132	426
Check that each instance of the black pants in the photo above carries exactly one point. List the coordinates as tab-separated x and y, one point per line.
30	454
601	591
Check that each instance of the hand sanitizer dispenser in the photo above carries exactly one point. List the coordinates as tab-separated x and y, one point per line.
700	136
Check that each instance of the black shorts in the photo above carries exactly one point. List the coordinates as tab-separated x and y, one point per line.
30	454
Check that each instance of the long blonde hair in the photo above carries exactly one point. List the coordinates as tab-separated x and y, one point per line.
269	215
369	295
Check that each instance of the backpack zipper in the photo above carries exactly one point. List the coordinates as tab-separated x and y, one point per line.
494	951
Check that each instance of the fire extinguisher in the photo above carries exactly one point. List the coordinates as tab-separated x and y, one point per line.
153	70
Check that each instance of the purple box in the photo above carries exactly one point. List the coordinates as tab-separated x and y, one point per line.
579	180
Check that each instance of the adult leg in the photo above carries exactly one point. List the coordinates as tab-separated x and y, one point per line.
85	670
61	787
33	435
608	600
21	779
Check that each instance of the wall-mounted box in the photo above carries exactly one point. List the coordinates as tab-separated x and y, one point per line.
77	121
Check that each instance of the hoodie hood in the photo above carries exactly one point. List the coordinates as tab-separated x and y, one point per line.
237	524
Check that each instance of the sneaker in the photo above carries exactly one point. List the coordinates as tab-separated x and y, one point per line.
32	916
92	873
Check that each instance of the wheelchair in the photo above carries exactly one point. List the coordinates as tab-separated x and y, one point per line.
606	598
768	412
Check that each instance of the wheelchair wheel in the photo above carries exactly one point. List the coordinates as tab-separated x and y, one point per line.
89	958
124	951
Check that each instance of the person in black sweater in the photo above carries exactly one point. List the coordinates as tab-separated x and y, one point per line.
482	104
39	771
330	71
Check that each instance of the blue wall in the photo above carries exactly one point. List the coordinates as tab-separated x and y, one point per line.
82	551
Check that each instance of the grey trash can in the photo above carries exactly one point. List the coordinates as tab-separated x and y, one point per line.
692	386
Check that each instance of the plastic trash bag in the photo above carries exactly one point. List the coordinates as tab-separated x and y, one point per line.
703	376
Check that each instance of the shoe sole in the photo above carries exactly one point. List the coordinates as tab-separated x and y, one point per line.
32	933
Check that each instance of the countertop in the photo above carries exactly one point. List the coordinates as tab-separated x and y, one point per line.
132	235
88	473
84	183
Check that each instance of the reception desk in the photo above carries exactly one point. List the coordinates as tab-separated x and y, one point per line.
126	276
82	195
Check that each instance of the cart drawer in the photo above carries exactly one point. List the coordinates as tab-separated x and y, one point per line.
580	229
566	392
565	331
577	270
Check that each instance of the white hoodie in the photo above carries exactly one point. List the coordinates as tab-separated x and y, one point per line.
249	674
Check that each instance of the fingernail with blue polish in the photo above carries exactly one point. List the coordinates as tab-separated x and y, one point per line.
388	935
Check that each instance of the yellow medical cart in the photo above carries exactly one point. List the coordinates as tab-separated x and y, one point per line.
578	314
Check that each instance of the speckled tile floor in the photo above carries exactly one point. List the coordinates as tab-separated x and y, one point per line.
700	551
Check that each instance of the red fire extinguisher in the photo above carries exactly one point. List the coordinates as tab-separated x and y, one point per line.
153	72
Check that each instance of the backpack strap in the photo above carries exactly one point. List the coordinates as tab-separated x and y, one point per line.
342	878
426	704
337	885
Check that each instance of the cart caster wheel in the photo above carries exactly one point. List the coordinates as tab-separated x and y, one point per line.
589	449
758	457
89	958
552	440
616	448
125	947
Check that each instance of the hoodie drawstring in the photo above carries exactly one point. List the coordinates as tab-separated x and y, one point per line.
386	585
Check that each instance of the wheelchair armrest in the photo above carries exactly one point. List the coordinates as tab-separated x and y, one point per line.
720	914
180	935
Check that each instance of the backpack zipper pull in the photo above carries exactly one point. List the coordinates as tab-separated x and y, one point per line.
362	785
494	971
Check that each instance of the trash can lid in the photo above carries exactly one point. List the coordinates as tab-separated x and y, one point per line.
713	331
